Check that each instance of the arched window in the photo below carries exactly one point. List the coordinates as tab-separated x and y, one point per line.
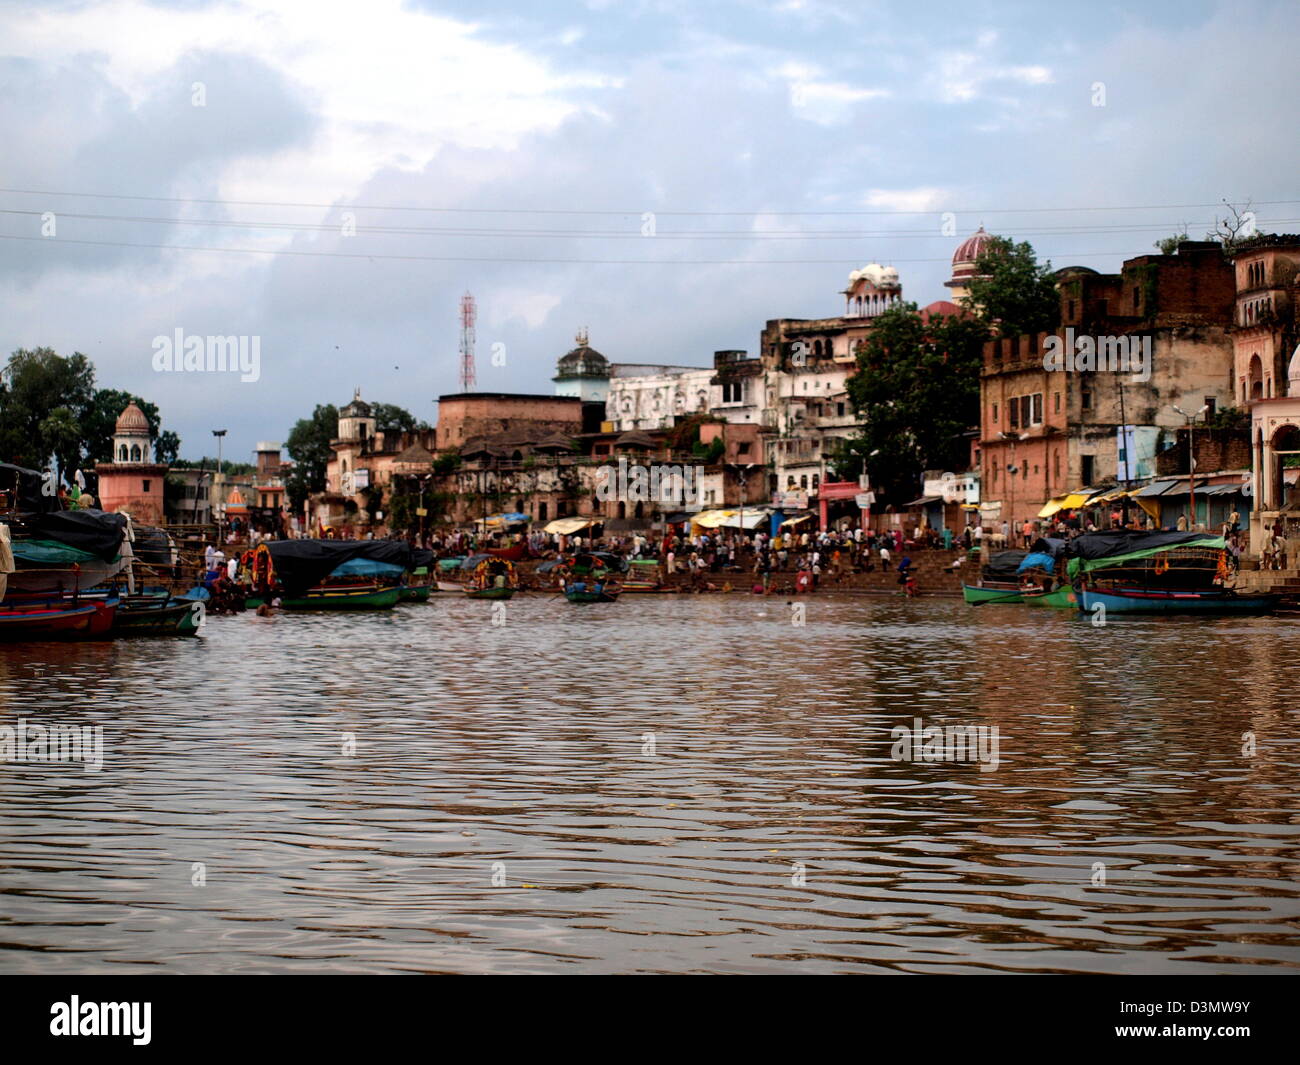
816	480
1256	378
135	452
803	481
121	453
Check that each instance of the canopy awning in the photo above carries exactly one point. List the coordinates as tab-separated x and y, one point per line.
1065	502
746	519
925	501
796	520
711	519
567	526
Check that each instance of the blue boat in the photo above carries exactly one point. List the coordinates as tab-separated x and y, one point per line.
1174	601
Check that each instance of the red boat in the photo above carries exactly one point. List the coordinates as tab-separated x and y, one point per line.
78	621
514	553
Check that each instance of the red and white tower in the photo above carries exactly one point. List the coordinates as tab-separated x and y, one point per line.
467	314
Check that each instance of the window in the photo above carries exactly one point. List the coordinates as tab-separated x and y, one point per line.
1037	411
121	453
1210	405
742	448
995	414
1013	414
1025	407
839	410
1085	469
146	485
1056	464
1085	401
734	391
1137	297
135	452
1056	402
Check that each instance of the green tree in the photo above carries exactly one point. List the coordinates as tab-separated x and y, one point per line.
34	384
917	391
1012	292
309	447
166	447
394	419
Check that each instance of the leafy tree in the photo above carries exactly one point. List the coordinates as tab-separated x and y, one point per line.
309	447
1169	245
917	390
1012	292
394	419
165	448
34	384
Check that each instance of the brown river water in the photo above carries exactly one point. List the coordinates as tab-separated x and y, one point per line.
664	784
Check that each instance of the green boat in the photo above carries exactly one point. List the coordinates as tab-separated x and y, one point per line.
1063	597
976	594
415	593
154	616
489	593
341	598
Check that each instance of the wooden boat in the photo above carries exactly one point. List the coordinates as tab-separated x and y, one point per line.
644	578
449	586
513	553
415	593
158	616
55	621
977	594
1120	600
340	597
1062	597
594	592
493	578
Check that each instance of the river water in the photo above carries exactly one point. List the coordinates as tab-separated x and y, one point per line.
665	784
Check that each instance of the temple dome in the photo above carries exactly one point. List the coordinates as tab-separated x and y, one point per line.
970	249
132	420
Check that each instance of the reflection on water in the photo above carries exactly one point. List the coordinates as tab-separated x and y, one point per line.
638	786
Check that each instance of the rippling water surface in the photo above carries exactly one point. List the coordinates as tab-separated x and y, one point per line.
664	784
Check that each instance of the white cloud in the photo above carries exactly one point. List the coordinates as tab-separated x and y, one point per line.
918	199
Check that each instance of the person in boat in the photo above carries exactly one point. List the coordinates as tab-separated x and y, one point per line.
499	581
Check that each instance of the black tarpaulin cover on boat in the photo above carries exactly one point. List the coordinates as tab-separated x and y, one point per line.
90	530
26	484
1115	542
1003	565
421	557
302	564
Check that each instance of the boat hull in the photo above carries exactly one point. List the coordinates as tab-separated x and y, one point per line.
415	593
1062	598
175	617
976	594
57	622
451	586
489	593
590	597
381	599
1175	602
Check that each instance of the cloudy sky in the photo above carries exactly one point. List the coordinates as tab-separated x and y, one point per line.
667	174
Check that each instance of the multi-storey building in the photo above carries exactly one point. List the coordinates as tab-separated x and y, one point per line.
1049	429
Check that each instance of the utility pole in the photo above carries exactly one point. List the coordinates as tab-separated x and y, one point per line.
220	434
1191	465
468	314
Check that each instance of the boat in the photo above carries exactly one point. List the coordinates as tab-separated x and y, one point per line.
1062	597
444	585
595	591
1147	601
513	553
55	621
67	551
417	584
338	597
1129	571
492	578
158	616
643	578
977	594
999	580
415	593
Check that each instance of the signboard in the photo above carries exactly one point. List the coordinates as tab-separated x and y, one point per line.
421	512
790	500
362	479
864	500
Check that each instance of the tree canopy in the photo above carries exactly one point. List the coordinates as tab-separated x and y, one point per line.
1012	292
51	411
917	391
309	447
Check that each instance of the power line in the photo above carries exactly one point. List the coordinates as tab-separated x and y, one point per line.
515	259
580	234
634	212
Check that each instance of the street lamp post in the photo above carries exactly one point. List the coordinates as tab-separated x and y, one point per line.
1191	466
220	434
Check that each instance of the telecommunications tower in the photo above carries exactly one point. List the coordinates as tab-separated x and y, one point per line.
467	315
